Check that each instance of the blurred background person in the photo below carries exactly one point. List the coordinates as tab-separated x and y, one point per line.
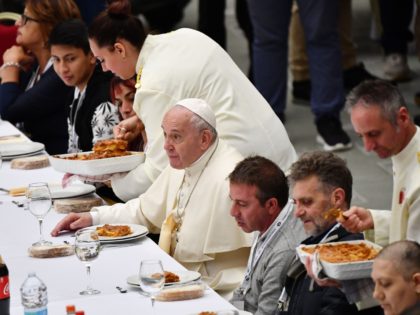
396	273
35	97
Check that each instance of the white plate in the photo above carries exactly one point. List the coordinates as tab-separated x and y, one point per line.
13	150
185	276
73	190
137	232
96	167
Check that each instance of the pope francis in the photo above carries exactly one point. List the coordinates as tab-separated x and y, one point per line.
189	202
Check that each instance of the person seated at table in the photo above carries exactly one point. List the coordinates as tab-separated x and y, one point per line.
189	202
396	273
122	95
321	183
182	64
91	115
259	191
35	97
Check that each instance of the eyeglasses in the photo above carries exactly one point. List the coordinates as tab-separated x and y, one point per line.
24	19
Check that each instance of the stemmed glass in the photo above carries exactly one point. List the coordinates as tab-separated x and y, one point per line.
87	246
39	204
151	278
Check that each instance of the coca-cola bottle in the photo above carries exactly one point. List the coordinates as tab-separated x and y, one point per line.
4	289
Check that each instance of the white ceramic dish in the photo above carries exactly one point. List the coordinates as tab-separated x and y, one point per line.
13	150
96	167
185	276
136	229
343	271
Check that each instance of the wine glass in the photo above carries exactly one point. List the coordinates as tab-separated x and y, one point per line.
87	246
151	278
39	204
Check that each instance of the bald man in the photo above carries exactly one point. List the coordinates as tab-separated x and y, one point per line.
396	273
189	202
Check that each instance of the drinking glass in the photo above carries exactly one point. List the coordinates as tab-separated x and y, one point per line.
87	246
39	204
151	278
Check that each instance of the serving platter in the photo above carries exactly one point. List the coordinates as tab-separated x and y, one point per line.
98	166
344	270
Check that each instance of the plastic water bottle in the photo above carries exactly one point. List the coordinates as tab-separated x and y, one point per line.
34	296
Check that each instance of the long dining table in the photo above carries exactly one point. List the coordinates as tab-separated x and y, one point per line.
66	276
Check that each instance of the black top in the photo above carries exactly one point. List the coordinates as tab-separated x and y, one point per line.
306	297
97	92
42	109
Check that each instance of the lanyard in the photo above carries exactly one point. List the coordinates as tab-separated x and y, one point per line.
261	243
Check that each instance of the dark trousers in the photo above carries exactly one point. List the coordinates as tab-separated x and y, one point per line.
395	19
211	21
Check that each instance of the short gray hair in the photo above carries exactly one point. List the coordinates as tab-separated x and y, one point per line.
377	93
200	125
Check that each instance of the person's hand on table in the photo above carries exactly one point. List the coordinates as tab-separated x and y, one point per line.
71	222
321	282
356	220
129	129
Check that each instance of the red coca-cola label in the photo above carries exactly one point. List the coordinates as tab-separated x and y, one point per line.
4	287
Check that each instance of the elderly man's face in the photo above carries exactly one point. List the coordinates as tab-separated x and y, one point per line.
183	143
393	292
311	204
377	133
249	214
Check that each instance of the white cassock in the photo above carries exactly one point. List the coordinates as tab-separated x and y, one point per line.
403	221
188	64
207	239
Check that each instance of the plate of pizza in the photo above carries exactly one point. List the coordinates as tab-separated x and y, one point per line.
113	233
171	278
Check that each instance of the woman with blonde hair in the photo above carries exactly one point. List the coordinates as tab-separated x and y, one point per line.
30	91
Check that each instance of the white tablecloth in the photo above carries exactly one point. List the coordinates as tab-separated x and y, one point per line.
66	276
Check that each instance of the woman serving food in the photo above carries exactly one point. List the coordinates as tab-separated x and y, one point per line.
174	66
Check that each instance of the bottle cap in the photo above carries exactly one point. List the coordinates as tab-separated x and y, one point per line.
80	313
70	308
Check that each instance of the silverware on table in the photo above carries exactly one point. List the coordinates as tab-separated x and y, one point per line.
4	189
122	290
19	204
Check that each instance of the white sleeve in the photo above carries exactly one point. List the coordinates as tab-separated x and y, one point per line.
130	185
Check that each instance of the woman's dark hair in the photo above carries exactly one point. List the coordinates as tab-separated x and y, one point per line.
117	22
116	81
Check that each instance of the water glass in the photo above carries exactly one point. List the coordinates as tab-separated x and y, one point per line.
87	247
151	278
39	204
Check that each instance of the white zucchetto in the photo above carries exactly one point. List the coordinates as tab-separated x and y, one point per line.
200	108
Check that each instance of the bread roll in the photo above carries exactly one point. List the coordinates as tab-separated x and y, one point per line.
30	162
83	204
48	251
185	292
